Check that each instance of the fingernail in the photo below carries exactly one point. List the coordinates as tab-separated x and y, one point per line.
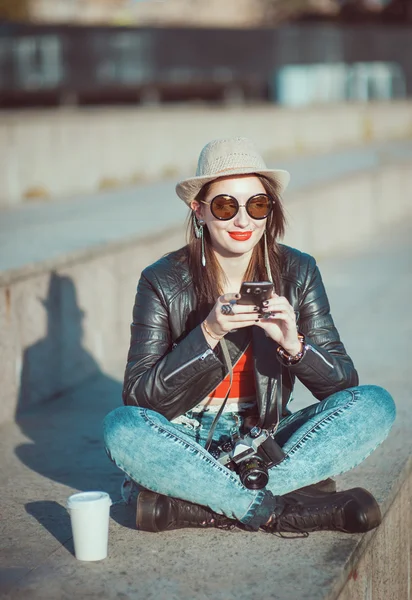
265	302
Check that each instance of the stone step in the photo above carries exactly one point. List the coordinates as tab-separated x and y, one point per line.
56	449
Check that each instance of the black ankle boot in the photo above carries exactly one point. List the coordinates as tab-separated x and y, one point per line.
350	511
156	512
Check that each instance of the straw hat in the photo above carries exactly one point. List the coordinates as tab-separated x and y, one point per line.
222	158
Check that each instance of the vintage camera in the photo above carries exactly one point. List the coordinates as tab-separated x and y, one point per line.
251	456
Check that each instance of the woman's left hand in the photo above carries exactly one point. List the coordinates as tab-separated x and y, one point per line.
280	323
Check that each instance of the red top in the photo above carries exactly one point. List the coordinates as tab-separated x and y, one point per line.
243	385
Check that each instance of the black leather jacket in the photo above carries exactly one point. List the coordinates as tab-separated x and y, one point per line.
171	367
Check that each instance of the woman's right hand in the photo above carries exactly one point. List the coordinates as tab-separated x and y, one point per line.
218	324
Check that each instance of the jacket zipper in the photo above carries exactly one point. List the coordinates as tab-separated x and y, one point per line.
309	347
208	352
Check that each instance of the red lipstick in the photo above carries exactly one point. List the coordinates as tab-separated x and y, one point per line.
240	236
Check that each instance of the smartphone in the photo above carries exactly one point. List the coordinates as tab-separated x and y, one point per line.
255	292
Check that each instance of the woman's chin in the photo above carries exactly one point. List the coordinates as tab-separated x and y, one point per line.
236	248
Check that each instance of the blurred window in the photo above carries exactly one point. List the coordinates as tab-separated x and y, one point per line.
123	57
300	85
4	70
376	81
38	62
181	74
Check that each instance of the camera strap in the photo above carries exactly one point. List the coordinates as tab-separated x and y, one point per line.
229	366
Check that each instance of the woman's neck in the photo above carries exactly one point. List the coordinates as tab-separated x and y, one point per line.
234	268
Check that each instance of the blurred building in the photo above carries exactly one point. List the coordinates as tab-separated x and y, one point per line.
203	13
209	13
384	11
77	11
227	13
79	52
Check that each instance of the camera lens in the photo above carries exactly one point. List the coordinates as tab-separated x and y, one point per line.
253	473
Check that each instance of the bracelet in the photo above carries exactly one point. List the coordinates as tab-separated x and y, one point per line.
209	333
287	359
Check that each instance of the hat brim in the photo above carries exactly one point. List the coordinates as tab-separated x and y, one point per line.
49	306
188	189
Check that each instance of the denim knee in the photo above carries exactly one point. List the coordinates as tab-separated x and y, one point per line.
119	424
380	404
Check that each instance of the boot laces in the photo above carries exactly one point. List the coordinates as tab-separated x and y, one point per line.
195	514
301	517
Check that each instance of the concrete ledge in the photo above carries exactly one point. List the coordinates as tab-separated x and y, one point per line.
380	567
343	214
56	449
48	310
57	153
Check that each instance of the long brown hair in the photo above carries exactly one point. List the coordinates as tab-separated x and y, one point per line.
208	281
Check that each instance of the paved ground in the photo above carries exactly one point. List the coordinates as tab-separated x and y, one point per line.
42	231
57	449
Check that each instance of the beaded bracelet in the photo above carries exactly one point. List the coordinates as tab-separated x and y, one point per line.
209	333
287	359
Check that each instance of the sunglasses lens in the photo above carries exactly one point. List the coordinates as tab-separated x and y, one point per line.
259	206
224	207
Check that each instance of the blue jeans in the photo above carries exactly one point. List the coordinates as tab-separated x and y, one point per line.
320	441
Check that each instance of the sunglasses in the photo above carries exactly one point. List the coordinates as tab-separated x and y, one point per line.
225	207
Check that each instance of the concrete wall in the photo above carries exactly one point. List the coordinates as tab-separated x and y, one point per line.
68	321
342	215
61	152
71	317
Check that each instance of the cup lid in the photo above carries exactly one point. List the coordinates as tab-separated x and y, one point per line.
81	499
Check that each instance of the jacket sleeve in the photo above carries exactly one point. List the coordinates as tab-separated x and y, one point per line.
159	374
326	368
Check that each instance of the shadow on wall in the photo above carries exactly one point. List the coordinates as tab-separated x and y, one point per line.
63	399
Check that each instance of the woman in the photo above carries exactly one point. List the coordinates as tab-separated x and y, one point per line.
193	343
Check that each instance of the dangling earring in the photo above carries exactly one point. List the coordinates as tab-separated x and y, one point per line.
198	227
266	253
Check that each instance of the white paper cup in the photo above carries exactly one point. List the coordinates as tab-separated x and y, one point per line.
89	515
